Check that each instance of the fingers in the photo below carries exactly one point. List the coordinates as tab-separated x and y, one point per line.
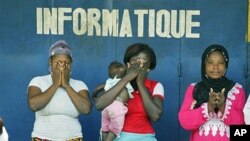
216	99
220	98
212	96
128	65
211	91
62	65
223	91
135	67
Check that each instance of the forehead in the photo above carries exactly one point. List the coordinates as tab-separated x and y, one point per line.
215	54
62	57
141	55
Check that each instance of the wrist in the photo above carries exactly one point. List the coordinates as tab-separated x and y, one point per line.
66	86
125	80
222	108
54	85
140	84
210	108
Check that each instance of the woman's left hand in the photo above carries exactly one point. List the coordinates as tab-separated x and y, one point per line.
221	100
65	75
143	73
142	76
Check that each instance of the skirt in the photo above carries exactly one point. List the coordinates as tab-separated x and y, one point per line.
39	139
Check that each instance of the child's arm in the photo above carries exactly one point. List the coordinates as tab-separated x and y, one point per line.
97	91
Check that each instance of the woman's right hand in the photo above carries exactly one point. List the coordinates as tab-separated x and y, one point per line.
132	71
212	101
56	76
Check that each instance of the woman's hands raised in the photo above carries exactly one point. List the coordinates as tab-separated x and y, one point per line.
61	74
216	100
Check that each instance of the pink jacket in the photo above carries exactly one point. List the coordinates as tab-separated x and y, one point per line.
206	126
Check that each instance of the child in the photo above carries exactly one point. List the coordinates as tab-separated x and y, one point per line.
113	115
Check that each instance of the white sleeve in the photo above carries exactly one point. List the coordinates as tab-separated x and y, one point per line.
158	90
4	136
111	83
246	111
34	82
80	86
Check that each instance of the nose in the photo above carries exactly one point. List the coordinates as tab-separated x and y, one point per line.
216	65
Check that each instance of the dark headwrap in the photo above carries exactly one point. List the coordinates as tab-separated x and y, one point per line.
202	89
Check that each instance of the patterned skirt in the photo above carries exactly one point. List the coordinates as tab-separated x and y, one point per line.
39	139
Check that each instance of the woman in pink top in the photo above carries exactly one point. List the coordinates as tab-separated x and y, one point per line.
210	106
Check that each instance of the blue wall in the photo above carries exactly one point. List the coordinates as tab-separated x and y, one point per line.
24	52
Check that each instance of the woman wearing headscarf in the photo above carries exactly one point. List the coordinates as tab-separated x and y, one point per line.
57	99
213	104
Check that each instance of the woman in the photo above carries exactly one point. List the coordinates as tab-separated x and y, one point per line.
147	105
215	102
57	99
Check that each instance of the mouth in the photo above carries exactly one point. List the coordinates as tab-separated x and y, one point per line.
215	74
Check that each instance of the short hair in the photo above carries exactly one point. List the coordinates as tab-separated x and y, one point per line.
114	67
137	48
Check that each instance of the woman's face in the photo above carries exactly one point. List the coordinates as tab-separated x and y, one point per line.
60	62
215	66
142	58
